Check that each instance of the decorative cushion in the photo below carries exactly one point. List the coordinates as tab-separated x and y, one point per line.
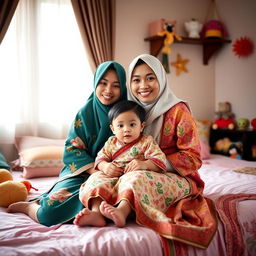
38	157
203	127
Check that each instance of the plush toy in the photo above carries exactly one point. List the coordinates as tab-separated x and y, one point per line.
12	191
193	28
243	123
222	145
253	123
224	117
235	150
169	34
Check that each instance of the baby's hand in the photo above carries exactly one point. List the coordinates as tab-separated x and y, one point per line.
112	170
134	165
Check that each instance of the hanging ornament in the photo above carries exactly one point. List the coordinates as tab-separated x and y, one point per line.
243	47
180	64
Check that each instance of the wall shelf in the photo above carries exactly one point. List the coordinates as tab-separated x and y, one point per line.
210	46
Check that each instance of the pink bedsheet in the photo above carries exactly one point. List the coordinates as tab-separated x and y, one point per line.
19	235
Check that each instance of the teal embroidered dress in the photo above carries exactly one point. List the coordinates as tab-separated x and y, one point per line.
3	162
87	135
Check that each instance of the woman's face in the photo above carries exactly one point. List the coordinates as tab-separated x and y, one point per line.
108	88
144	84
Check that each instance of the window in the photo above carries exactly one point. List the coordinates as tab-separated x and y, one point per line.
45	75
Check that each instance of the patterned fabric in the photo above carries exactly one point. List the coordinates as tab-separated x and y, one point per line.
226	206
87	135
150	203
121	154
169	121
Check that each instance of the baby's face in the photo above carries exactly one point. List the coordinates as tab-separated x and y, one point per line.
127	127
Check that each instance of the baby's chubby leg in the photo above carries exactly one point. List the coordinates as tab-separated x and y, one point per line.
28	208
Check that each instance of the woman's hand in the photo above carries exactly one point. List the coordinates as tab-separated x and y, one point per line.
136	164
110	169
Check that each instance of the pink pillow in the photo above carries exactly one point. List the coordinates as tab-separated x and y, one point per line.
203	128
205	150
38	157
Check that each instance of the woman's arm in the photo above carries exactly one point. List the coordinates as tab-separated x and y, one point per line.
180	141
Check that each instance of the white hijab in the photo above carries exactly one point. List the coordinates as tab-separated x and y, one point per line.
164	101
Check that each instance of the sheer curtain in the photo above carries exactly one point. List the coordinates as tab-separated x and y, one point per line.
45	75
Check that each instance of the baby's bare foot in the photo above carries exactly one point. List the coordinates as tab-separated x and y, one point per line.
87	217
113	213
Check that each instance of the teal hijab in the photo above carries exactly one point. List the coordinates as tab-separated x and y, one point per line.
90	129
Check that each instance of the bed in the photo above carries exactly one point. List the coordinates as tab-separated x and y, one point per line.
234	195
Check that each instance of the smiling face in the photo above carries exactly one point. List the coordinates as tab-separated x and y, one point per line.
127	126
144	84
108	89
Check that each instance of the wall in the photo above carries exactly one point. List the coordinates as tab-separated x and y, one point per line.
204	85
236	77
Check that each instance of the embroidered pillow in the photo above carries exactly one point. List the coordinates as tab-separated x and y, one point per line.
38	157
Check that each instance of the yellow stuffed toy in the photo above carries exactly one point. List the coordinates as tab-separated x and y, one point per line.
12	191
169	34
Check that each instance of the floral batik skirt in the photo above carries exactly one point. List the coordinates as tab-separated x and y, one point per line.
149	193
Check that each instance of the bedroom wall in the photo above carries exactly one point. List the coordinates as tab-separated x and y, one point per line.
235	78
225	78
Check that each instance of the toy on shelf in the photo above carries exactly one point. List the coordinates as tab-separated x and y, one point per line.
193	28
169	32
222	145
243	123
253	124
224	117
235	150
12	191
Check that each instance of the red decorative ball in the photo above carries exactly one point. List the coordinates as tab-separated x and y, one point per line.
243	47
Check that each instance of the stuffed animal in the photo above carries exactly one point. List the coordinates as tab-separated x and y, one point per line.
12	191
193	28
224	117
235	150
169	33
222	145
253	123
243	123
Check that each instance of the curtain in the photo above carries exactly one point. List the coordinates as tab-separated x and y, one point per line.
45	74
7	9
96	21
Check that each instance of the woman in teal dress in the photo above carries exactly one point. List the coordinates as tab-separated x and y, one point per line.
86	137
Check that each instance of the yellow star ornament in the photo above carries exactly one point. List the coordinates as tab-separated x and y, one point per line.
180	64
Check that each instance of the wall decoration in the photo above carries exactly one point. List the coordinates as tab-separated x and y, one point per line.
170	34
180	64
243	47
213	26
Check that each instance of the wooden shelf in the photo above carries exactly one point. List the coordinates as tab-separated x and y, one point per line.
246	137
210	46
